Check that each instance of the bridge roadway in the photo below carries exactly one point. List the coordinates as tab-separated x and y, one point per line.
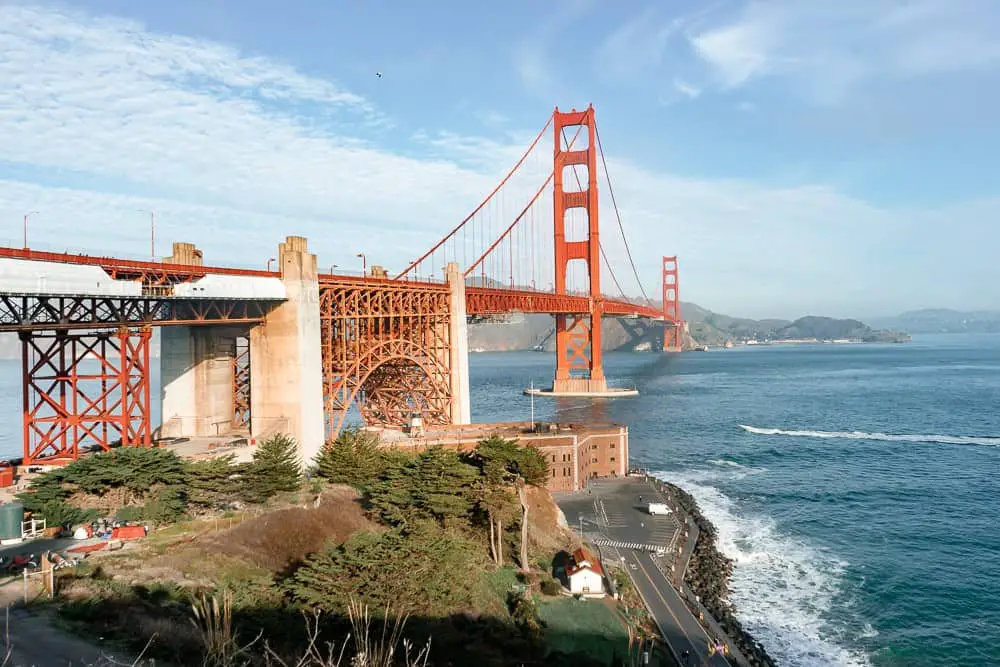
611	517
27	272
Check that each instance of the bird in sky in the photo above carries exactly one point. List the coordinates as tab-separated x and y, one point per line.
378	74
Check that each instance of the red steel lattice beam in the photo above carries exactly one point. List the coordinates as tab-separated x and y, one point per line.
241	383
490	301
386	349
69	405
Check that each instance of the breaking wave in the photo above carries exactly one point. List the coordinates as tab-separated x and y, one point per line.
861	435
784	588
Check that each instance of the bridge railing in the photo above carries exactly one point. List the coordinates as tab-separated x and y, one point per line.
72	249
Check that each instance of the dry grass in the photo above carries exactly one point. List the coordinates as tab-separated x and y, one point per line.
545	534
278	539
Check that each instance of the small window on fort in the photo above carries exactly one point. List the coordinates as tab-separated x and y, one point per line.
612	445
612	459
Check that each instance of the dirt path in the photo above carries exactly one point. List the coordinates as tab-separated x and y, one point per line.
35	642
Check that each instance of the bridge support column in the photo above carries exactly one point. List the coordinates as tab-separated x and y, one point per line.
286	379
83	390
197	380
579	371
673	325
461	410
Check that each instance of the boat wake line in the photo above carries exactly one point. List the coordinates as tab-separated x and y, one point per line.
861	435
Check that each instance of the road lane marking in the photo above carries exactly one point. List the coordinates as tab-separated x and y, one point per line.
680	626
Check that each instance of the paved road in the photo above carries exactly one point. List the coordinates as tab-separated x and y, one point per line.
676	623
612	515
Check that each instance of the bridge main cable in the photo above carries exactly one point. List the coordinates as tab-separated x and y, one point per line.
611	191
523	211
485	201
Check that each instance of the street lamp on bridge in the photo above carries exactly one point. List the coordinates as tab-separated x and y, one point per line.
152	232
333	266
364	263
26	216
269	260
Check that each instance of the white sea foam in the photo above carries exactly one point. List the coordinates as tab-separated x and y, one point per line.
783	588
726	462
861	435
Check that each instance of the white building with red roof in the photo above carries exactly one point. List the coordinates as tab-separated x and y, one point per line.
585	574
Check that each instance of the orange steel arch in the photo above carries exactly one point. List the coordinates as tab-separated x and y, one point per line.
386	346
377	391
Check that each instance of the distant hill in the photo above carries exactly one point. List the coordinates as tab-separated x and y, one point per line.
709	328
525	332
943	320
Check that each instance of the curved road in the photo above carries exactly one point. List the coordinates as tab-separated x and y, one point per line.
681	630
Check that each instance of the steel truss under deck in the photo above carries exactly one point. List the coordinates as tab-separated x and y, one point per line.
386	347
84	391
22	312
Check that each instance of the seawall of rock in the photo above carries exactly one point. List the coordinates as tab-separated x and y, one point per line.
708	575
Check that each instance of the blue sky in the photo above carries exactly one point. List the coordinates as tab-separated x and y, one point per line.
800	157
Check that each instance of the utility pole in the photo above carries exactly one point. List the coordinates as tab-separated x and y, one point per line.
532	393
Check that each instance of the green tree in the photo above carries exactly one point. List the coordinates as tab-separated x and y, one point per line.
213	482
499	506
274	469
436	484
354	458
504	464
150	483
422	568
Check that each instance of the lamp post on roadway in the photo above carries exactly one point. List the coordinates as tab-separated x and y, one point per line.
364	263
152	232
333	266
26	216
269	260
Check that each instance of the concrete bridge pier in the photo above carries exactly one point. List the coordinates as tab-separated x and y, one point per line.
197	380
286	366
196	370
461	410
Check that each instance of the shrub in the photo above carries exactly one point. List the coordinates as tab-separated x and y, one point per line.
274	469
551	587
423	569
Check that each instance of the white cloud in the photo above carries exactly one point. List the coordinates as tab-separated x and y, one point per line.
92	133
830	48
826	50
738	52
626	55
687	89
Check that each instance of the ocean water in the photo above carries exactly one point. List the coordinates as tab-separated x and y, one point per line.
856	487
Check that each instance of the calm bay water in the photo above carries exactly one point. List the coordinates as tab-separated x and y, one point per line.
856	487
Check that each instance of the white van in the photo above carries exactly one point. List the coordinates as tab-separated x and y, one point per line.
658	508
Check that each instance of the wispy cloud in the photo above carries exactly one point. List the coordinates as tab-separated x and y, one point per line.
235	151
687	89
824	50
